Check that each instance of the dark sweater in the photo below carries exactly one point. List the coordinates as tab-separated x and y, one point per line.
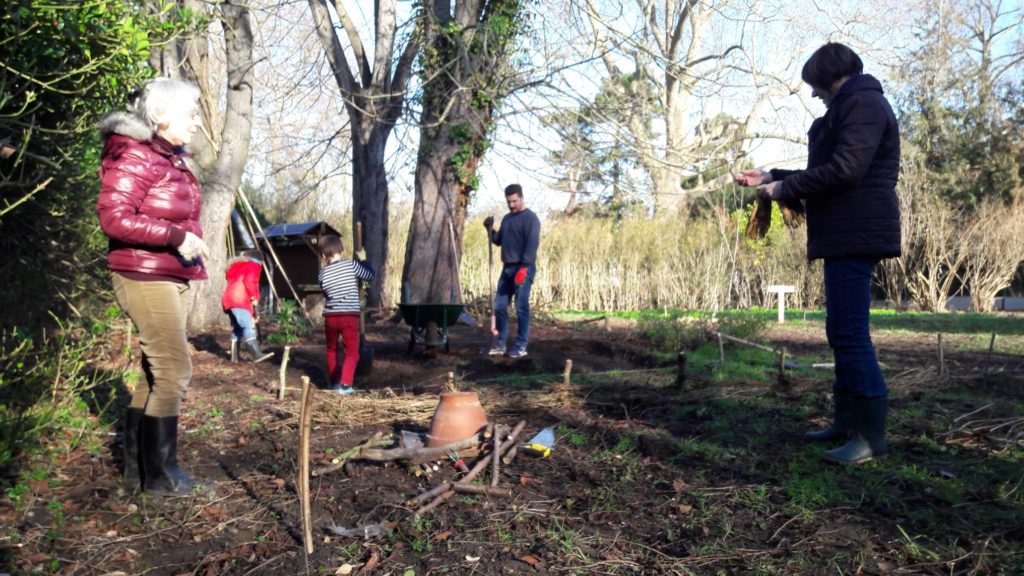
519	237
849	186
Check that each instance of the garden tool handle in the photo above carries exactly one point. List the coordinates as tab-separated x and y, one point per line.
536	450
357	243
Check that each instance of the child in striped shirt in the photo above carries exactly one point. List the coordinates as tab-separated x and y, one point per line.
339	281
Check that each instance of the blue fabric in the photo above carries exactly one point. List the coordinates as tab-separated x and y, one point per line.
519	237
242	326
507	290
847	326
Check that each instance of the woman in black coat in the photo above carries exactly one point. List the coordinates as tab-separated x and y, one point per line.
853	221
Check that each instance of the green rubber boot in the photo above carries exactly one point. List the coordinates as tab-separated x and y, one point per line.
258	355
840	427
868	438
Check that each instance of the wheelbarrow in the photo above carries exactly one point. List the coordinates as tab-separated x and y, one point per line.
420	316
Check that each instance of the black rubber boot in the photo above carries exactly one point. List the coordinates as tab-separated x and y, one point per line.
254	348
160	457
841	424
132	441
868	440
234	351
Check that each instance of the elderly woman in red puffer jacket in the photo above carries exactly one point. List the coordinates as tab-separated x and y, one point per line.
148	208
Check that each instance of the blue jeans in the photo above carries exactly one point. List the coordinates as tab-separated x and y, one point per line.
507	289
847	306
242	326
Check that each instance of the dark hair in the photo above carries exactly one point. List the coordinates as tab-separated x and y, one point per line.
830	63
331	246
514	189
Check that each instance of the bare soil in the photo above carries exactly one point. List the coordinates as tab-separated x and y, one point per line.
627	489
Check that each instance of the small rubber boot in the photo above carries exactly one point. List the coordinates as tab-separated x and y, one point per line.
132	441
839	429
234	350
160	470
867	441
254	348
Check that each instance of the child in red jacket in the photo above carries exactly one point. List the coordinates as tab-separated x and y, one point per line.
241	296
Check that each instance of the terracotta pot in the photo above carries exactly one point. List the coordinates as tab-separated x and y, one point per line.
458	416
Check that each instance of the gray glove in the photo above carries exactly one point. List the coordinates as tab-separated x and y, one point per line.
193	247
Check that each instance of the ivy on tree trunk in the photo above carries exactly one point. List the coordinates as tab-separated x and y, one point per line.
465	64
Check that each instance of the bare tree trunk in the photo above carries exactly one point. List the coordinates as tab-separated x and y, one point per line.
430	274
464	76
374	95
225	176
370	204
219	164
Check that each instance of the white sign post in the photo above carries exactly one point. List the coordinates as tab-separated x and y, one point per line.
781	291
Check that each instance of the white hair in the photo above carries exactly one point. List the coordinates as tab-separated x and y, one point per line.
159	97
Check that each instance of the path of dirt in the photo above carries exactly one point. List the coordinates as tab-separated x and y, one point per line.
567	511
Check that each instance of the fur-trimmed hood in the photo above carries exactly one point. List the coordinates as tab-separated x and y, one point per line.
125	124
131	126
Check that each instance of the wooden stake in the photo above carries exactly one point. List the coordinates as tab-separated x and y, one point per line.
496	457
941	358
305	417
721	353
567	373
782	367
681	369
284	368
988	358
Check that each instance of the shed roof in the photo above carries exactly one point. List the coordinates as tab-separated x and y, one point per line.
297	229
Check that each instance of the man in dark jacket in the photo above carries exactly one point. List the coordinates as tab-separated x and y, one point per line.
853	221
519	238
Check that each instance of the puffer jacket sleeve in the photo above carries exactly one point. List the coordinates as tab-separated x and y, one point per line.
126	175
860	127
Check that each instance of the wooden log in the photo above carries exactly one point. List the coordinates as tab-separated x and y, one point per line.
444	491
742	341
464	488
377	439
435	503
305	417
418	455
510	455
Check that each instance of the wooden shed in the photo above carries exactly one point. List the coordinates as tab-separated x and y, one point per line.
296	246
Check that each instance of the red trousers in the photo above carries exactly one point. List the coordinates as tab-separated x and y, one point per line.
345	326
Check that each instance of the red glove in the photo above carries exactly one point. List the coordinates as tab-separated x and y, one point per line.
521	276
